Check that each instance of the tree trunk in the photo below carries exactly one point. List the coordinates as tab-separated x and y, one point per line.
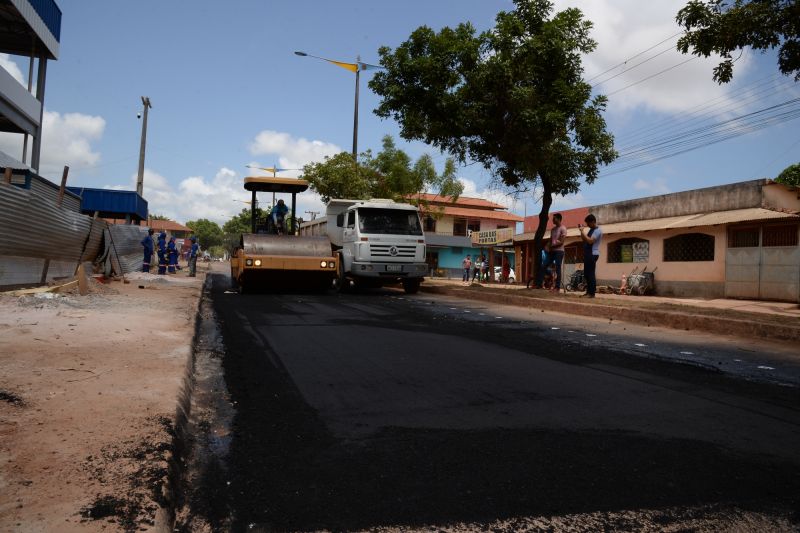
544	215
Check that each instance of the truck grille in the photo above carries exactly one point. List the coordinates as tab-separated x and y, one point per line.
385	250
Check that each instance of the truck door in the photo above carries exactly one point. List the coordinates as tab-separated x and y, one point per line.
349	233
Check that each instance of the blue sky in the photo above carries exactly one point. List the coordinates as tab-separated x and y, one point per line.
227	91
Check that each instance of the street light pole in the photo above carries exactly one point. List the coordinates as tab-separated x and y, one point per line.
355	113
356	67
140	177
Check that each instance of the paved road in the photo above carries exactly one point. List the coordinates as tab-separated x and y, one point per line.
378	409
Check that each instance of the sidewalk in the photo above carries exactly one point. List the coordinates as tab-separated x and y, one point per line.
746	318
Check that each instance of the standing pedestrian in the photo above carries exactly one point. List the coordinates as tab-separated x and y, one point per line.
172	253
476	268
162	253
466	265
193	251
555	252
147	243
591	253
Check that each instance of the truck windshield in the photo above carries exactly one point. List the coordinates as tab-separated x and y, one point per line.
388	221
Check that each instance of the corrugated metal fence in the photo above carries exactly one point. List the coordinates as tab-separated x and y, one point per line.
40	241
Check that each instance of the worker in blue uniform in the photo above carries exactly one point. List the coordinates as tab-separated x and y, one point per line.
193	251
162	253
278	216
172	252
147	243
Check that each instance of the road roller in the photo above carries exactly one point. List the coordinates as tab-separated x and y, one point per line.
274	256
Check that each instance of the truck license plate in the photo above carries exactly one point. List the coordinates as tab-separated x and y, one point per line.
394	268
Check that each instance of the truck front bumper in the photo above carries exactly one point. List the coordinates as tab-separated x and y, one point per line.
389	270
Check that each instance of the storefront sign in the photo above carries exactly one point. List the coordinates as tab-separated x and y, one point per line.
494	236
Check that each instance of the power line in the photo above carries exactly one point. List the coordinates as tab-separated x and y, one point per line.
659	73
634	57
709	107
706	136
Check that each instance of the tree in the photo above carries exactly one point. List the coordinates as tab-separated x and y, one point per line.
158	217
387	175
790	176
512	99
208	233
724	26
336	177
232	230
241	223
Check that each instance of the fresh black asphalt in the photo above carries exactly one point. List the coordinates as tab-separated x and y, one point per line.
376	409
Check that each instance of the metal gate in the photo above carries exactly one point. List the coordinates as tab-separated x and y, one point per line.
763	263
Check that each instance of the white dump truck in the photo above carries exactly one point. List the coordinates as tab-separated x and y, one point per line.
377	242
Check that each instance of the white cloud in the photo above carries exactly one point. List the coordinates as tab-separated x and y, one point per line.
623	29
12	68
653	187
217	199
291	152
569	201
67	140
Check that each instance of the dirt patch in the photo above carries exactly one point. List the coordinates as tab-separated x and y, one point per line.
87	398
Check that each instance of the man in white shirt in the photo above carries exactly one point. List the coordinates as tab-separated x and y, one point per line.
591	237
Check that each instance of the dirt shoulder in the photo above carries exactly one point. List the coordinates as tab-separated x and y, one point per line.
88	393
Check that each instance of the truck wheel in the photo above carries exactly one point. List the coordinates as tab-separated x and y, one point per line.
411	286
341	283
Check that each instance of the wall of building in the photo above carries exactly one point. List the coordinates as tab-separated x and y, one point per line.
701	279
445	225
780	197
721	198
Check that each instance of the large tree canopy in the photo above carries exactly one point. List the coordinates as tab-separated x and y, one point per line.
389	174
208	233
512	98
790	175
725	26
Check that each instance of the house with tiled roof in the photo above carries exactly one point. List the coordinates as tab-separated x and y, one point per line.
737	240
450	225
170	227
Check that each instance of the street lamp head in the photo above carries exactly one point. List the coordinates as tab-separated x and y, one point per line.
303	54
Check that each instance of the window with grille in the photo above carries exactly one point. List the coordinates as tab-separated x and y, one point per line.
628	250
783	235
573	254
474	225
743	237
430	224
689	247
460	227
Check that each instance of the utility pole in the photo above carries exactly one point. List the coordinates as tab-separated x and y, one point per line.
140	178
313	214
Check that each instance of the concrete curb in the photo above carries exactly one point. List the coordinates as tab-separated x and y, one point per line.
635	315
166	515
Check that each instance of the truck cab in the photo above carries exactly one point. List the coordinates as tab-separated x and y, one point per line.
378	242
